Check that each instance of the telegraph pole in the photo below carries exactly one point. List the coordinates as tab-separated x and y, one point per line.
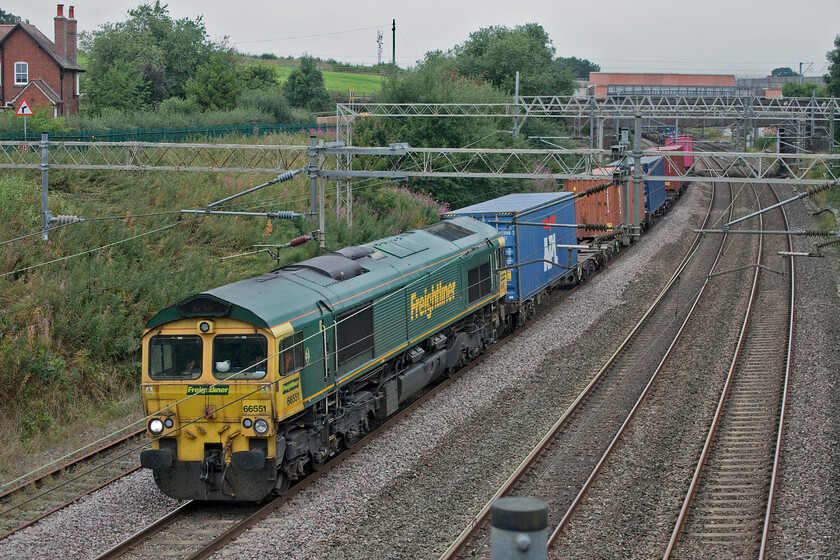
394	43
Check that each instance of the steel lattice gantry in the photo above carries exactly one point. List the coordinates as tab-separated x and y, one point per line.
800	118
402	162
657	107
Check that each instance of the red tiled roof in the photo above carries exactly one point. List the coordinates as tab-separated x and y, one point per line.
43	42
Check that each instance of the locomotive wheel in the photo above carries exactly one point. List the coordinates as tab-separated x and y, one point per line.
282	484
349	441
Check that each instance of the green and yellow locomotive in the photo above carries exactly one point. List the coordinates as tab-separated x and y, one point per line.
251	385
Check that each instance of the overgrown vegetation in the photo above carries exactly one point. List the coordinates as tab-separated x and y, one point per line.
150	60
807	89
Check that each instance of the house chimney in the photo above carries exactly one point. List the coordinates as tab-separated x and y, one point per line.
71	37
61	32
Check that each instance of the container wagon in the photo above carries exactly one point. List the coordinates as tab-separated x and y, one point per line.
533	260
654	188
604	207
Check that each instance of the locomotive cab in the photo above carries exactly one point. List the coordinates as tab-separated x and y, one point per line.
214	390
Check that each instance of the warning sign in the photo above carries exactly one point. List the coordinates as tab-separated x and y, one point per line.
24	110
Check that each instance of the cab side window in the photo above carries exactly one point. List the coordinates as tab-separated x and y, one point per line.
291	353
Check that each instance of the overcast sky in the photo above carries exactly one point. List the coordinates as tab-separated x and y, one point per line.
741	37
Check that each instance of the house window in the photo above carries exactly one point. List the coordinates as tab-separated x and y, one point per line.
21	73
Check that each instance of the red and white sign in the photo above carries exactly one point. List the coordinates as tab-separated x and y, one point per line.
24	110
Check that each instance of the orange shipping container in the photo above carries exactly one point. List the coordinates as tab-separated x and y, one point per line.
603	207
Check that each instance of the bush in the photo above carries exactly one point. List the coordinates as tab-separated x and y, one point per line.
174	113
270	101
176	105
41	121
234	117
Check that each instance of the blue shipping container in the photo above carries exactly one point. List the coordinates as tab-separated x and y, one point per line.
655	193
525	243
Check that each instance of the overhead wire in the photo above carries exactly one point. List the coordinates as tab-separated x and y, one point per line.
328	34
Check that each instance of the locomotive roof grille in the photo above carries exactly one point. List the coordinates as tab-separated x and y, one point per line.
449	231
335	265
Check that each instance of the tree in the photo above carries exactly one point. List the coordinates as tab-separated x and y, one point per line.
7	18
496	53
257	76
216	84
783	72
437	80
832	79
164	53
807	89
305	87
577	67
120	87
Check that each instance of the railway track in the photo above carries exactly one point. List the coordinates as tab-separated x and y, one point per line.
29	502
566	461
728	506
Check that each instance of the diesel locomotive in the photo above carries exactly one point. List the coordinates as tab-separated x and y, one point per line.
251	385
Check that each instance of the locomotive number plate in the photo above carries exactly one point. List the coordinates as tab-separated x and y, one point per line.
254	407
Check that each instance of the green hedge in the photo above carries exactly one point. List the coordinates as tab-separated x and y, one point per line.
182	134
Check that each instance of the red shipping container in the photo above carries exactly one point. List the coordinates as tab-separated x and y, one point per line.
603	207
687	142
674	166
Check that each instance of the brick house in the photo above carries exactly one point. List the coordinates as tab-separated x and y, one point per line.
35	69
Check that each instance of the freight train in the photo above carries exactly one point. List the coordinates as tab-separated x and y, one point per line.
250	386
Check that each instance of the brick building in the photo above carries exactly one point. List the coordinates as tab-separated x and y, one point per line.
613	84
35	69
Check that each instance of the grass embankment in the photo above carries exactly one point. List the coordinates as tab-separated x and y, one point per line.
72	309
340	82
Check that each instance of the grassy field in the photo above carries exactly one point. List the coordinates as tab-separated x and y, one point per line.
341	82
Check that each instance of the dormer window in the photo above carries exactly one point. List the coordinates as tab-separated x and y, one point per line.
21	73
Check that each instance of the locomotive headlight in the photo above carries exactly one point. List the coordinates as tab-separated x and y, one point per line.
168	423
261	426
247	422
156	426
206	326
